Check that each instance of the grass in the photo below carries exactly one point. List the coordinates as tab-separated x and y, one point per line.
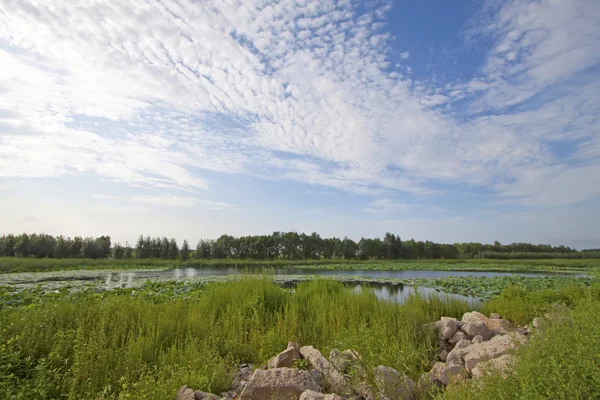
127	344
486	288
147	342
560	363
14	264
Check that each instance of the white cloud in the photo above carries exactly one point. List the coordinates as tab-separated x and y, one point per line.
404	55
156	94
179	201
385	206
105	196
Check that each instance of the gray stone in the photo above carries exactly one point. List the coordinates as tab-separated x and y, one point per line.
445	374
447	327
457	337
494	348
537	323
500	364
477	339
278	383
184	393
393	384
494	316
333	379
286	358
200	395
342	360
456	356
496	326
312	395
477	327
443	355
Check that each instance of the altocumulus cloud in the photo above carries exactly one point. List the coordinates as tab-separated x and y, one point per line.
153	93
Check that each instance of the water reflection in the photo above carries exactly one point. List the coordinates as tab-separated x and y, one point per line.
399	293
404	274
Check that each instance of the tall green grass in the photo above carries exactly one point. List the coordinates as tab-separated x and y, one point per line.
123	345
520	305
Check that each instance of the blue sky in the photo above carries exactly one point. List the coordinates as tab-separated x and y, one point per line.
449	121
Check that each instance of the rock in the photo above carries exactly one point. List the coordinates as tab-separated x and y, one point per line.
278	383
317	376
393	384
477	339
494	316
443	355
426	388
496	326
200	395
445	374
477	327
447	327
286	358
240	379
494	348
184	393
455	357
500	364
312	395
522	331
343	360
457	337
333	379
537	323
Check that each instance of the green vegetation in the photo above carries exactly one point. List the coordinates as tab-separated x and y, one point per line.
487	288
145	343
127	344
277	246
15	264
560	363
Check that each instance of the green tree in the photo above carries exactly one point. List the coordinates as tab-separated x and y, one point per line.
185	250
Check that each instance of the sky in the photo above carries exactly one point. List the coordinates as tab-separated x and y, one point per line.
450	121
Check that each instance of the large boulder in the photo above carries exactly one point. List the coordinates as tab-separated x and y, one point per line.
312	395
447	327
185	393
497	326
494	348
456	356
445	374
200	395
333	379
477	339
457	337
278	383
286	358
477	327
393	384
500	364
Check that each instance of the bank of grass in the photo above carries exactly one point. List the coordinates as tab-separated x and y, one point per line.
560	363
16	264
122	344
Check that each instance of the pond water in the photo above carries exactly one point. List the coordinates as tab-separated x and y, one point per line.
364	273
399	293
288	277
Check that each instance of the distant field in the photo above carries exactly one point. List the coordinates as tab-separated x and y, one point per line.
14	264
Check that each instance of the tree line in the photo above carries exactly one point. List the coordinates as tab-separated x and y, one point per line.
277	246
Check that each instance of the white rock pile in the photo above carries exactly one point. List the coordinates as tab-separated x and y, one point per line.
467	349
473	345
